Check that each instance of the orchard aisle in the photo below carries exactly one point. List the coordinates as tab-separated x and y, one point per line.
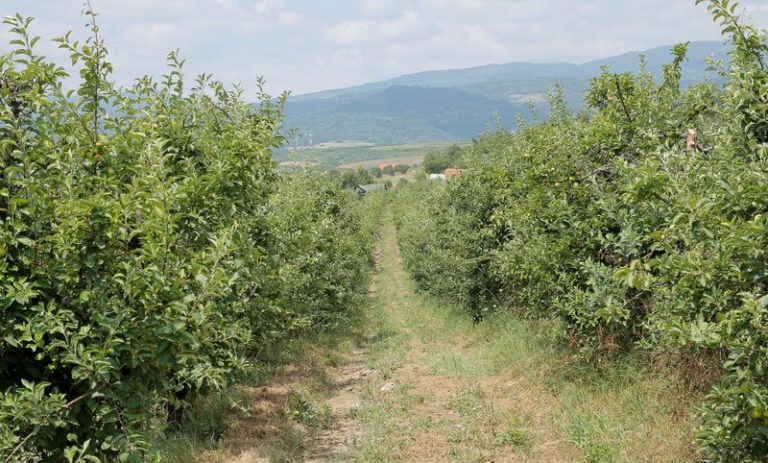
418	391
420	383
416	386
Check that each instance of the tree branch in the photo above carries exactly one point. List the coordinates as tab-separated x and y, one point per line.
620	94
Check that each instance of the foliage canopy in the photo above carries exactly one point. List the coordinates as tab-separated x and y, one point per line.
606	221
149	250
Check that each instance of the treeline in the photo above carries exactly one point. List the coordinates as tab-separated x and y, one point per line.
390	169
149	250
350	178
435	162
639	223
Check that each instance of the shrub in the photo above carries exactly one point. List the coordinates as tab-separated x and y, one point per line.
436	162
149	250
605	220
375	171
402	169
360	176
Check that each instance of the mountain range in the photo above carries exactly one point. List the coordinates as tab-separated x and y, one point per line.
459	104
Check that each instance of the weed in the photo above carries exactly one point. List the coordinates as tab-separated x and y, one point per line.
300	410
468	401
516	435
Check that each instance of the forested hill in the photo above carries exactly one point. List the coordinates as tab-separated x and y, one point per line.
460	103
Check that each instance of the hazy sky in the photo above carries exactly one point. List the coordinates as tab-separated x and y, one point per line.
306	45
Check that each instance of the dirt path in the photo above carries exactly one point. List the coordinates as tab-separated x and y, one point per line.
421	393
413	389
337	443
421	384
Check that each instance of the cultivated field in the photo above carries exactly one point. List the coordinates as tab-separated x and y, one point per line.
363	155
407	160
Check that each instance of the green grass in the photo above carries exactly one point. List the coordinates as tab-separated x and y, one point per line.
625	411
519	390
305	414
205	422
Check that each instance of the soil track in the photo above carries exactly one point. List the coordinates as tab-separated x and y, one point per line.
411	389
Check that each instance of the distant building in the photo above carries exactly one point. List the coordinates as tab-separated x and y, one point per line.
450	173
437	176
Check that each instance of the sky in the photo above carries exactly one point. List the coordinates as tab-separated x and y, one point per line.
306	46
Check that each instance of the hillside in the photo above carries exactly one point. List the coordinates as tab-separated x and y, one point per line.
456	104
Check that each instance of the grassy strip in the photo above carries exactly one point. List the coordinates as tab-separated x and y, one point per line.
526	390
275	414
516	392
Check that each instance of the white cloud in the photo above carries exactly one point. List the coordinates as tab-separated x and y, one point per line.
378	8
306	45
348	31
268	6
366	31
289	19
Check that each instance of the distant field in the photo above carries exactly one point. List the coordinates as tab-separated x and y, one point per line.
363	155
297	164
411	147
407	160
